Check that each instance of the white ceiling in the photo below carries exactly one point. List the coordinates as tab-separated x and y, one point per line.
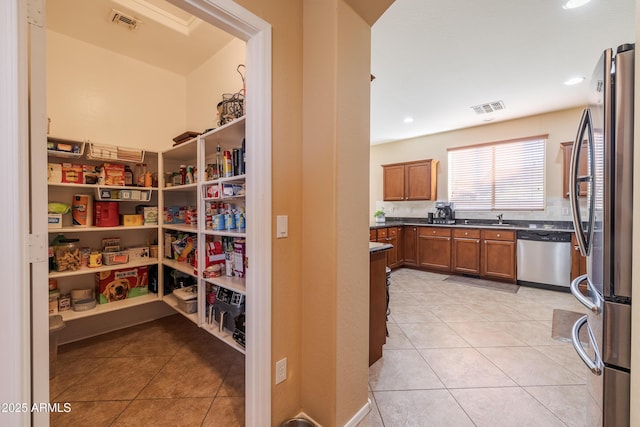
435	59
432	59
167	37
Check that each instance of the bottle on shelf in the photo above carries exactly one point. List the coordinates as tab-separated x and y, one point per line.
128	176
227	165
183	174
139	174
219	163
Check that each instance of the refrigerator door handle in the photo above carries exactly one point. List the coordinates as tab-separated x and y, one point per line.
575	290
595	366
575	181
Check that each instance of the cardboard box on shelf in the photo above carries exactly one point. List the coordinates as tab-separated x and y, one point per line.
131	220
117	285
72	173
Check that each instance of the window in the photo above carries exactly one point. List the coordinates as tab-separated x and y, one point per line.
506	175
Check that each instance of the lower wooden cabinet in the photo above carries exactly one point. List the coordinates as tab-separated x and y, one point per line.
410	246
465	258
498	255
434	248
392	236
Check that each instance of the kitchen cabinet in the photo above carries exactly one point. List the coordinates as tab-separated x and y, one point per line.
410	241
434	248
410	181
498	254
372	235
392	236
566	164
377	304
465	258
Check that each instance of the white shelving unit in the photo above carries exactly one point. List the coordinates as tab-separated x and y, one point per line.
90	236
200	152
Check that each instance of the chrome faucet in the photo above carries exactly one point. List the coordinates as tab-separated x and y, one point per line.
499	218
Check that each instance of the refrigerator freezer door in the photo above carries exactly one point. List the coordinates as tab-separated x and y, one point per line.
616	345
616	398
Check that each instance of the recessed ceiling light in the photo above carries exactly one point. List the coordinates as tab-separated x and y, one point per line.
408	120
574	81
572	4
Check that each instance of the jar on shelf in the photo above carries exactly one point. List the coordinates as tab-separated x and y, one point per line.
139	174
68	255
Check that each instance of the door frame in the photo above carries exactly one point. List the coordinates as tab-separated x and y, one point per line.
24	364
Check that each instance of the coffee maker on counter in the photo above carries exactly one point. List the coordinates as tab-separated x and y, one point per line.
444	213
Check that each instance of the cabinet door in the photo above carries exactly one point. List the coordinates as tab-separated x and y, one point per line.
434	248
400	246
499	260
418	181
466	252
566	162
410	246
393	183
372	235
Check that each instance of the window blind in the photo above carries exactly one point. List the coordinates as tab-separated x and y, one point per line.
506	175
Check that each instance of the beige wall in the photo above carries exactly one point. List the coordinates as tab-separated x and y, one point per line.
560	126
95	94
206	84
108	98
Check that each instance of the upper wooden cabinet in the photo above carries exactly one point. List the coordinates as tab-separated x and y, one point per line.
410	181
566	164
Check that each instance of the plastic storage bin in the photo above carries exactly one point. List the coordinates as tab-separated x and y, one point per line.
56	324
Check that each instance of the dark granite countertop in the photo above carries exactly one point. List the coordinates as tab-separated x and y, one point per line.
379	247
559	226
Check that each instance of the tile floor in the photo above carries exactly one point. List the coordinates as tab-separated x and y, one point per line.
163	373
459	355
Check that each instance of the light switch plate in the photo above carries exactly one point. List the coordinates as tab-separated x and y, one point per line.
281	370
282	226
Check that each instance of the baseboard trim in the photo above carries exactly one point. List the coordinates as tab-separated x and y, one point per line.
359	416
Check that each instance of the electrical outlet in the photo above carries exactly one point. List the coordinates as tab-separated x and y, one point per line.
565	211
281	370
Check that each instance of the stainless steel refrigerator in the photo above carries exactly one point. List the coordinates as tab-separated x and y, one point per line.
603	223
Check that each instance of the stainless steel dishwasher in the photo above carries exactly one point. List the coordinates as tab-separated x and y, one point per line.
544	258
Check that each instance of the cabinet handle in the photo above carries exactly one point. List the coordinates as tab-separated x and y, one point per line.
498	235
448	238
477	240
466	233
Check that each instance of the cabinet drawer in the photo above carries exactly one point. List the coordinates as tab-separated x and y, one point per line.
434	231
393	231
372	235
465	233
382	232
499	235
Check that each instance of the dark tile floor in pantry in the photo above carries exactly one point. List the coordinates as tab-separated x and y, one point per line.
167	372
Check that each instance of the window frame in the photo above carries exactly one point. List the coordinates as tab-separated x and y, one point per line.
492	167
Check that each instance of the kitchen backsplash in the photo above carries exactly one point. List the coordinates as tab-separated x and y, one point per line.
557	209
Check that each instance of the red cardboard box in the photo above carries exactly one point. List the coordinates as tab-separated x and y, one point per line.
72	173
117	285
113	174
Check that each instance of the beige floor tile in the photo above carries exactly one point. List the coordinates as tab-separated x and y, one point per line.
484	334
435	408
504	407
185	376
396	339
534	310
226	412
432	335
496	311
164	412
117	378
531	332
455	313
95	414
567	402
233	384
70	371
411	314
465	368
402	370
566	356
528	367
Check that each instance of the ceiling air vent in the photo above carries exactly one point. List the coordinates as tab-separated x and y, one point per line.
118	17
489	107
